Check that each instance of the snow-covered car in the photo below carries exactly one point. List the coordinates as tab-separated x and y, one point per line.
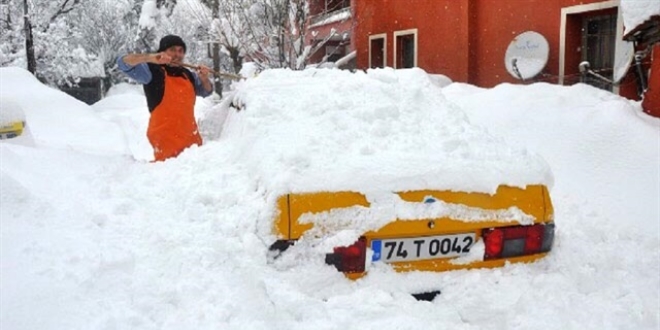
378	167
12	119
11	130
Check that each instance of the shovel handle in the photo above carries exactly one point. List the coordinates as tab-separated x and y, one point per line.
216	73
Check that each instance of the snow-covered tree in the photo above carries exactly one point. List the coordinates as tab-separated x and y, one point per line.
106	29
39	17
270	33
152	13
38	37
75	38
12	37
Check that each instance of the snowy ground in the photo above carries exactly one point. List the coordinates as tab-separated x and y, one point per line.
93	236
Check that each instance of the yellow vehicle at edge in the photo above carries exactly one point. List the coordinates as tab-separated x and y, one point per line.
12	130
430	244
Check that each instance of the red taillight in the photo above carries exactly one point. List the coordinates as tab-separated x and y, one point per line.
534	239
349	259
352	251
515	232
517	241
493	239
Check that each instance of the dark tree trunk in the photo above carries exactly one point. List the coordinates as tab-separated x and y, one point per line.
217	82
29	42
236	59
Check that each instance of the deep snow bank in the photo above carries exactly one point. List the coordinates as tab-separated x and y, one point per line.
383	130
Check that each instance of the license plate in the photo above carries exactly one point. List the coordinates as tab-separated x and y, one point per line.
421	248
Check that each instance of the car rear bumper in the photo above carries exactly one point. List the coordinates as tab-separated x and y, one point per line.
448	265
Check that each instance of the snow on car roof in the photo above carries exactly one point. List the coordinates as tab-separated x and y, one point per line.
57	119
380	130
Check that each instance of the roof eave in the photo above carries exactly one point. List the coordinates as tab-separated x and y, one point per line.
647	32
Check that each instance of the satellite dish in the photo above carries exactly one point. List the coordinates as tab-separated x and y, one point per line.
623	56
526	55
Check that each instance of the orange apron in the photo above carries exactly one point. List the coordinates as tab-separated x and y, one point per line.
172	126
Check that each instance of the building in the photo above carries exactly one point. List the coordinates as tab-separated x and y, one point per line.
467	40
331	26
642	26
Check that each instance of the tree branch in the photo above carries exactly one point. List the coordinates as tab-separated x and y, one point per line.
61	11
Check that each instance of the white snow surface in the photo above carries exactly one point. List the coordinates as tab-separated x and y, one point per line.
10	112
70	126
384	130
94	236
636	12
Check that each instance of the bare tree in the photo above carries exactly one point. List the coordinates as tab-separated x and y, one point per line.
29	39
150	13
106	29
168	5
271	33
70	39
7	32
215	53
41	16
62	8
215	33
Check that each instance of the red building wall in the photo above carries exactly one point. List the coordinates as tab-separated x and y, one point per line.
442	24
467	39
651	102
494	26
318	32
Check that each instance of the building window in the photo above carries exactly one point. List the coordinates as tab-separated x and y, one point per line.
405	49
598	44
334	53
377	47
333	5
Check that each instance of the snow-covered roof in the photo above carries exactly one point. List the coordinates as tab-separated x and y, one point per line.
335	16
383	130
636	12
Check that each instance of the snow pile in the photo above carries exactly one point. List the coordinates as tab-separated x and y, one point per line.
126	105
10	112
105	242
388	207
601	134
249	70
636	12
124	88
57	119
384	130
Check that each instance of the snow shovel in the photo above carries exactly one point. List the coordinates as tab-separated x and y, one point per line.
216	73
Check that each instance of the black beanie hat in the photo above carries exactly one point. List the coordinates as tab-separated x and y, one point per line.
169	41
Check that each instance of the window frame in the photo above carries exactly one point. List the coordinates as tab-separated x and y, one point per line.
342	4
371	39
584	9
395	42
606	37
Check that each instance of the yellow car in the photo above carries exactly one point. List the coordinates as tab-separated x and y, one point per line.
12	130
433	244
378	167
